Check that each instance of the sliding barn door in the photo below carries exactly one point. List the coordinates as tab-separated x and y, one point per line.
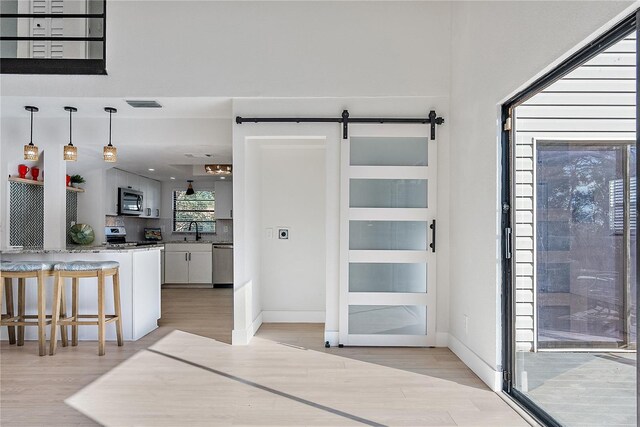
388	208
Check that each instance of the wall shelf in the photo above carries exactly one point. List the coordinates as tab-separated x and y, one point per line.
32	182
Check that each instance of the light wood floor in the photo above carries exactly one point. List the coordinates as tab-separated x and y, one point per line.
185	373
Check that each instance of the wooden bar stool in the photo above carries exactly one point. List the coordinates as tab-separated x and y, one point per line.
75	270
28	270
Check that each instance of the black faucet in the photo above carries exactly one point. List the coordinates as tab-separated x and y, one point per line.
198	236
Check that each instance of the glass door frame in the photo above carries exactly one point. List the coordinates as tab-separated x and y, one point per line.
347	214
606	40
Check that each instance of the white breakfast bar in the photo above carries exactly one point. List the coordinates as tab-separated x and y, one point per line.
139	288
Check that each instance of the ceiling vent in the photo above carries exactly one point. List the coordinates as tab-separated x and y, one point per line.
198	155
143	104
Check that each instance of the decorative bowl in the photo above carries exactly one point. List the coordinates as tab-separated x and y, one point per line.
82	234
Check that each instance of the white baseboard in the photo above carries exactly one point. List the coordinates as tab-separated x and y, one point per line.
257	322
276	316
488	374
243	336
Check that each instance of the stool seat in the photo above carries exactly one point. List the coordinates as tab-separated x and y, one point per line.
86	265
25	266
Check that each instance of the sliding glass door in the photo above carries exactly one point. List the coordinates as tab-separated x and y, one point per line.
569	228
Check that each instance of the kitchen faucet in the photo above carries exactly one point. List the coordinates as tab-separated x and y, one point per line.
198	236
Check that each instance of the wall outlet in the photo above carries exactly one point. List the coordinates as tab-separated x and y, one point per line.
226	228
269	233
283	233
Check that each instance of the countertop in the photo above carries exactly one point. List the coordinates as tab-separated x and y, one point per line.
81	249
199	242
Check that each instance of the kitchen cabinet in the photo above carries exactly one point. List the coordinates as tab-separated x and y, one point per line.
224	199
188	263
111	192
155	196
200	267
176	267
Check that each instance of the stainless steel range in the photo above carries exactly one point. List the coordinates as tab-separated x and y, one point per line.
117	238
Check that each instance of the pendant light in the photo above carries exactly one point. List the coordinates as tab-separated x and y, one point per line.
190	190
109	152
31	151
220	170
70	152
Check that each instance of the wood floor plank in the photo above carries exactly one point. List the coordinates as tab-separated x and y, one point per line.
186	373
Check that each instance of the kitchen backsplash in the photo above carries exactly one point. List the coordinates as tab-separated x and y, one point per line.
26	215
135	228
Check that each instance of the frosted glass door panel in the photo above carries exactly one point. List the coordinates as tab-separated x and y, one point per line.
388	319
371	277
388	235
388	193
389	151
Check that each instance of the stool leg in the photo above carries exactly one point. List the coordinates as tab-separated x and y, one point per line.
1	293
21	310
41	315
74	311
8	289
55	314
101	319
63	315
116	305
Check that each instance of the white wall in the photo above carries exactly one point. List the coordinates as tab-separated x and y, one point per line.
50	138
292	271
262	49
505	44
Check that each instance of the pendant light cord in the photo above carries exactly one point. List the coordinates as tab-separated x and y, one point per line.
31	136
70	127
110	113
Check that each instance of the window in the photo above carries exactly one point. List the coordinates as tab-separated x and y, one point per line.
198	207
53	37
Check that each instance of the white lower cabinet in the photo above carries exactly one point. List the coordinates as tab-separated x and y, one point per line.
188	263
176	267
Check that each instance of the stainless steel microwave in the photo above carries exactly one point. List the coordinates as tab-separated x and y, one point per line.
129	201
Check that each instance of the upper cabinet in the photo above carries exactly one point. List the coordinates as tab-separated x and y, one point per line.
224	199
152	195
111	192
150	188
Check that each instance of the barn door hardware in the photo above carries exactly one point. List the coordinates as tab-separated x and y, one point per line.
432	119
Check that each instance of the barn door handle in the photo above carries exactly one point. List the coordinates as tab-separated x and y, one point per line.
432	245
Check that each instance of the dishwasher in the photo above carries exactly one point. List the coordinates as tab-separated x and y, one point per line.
222	264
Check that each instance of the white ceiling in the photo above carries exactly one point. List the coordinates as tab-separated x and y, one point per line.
156	138
204	107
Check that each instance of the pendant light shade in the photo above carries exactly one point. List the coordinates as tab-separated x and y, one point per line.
109	152
190	190
31	151
70	152
220	170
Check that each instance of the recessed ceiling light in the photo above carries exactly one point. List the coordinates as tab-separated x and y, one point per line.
151	169
173	177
